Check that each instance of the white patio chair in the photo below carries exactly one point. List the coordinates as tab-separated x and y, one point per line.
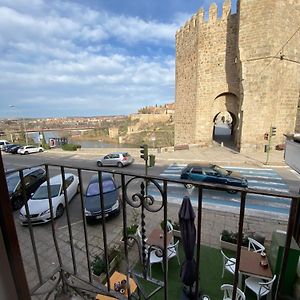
228	264
155	257
173	251
259	286
169	226
255	246
228	288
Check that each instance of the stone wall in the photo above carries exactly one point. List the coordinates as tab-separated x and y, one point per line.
270	85
245	64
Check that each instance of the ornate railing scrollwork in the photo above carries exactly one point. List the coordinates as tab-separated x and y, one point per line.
143	198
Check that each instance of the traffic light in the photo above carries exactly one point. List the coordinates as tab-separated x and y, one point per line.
273	131
144	151
266	136
151	160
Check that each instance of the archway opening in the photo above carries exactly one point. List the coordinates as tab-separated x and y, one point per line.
224	124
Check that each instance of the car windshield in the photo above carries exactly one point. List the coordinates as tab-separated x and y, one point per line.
93	188
42	192
221	170
12	182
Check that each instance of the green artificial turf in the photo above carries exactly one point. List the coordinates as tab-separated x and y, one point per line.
211	266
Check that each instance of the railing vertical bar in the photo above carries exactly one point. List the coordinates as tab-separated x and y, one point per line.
199	226
104	228
165	198
36	258
62	169
84	224
296	229
290	227
11	243
52	217
124	209
239	243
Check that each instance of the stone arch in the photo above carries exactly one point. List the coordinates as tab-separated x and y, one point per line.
227	102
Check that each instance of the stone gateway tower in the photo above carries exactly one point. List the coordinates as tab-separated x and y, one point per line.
246	64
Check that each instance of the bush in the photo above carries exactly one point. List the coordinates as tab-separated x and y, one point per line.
71	147
131	230
231	237
98	265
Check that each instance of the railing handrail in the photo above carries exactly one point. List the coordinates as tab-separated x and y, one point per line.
203	185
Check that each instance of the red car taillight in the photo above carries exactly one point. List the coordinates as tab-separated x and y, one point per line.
125	158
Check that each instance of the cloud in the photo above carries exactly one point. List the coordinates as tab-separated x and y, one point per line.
59	53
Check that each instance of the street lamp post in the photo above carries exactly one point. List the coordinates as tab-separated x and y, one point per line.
24	125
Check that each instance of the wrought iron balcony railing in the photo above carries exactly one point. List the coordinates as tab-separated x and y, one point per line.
139	199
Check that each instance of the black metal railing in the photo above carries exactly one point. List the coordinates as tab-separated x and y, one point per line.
145	202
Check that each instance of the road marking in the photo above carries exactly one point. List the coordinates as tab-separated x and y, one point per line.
75	223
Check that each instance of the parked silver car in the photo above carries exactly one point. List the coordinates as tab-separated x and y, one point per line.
119	159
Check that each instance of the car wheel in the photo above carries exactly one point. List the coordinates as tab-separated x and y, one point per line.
231	191
119	165
41	150
59	210
26	152
99	164
188	185
17	203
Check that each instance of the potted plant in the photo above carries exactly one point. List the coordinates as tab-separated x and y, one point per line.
114	258
98	264
131	231
228	240
176	228
98	269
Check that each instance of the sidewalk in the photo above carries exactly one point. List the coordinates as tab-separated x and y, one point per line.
215	154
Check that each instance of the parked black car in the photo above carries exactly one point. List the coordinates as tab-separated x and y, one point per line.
33	178
7	147
110	197
14	150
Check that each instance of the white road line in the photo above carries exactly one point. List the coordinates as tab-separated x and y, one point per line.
78	222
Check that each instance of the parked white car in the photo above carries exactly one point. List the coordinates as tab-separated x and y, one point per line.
38	204
3	143
30	149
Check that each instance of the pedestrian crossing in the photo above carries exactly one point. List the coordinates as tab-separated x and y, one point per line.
258	178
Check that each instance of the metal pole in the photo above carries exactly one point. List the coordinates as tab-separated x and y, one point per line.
269	145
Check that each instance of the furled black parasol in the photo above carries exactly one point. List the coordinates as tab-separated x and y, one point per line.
188	235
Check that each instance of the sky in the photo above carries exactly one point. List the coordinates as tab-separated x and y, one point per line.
63	58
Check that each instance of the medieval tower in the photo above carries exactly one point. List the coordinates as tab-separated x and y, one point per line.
246	64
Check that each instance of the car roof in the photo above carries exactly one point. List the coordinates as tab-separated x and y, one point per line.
200	165
105	176
124	152
11	173
58	179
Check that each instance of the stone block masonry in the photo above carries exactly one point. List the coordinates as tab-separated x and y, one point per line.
243	63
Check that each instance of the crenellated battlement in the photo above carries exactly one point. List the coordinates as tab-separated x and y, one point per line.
198	19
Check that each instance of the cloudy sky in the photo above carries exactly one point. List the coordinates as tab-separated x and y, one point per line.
88	57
